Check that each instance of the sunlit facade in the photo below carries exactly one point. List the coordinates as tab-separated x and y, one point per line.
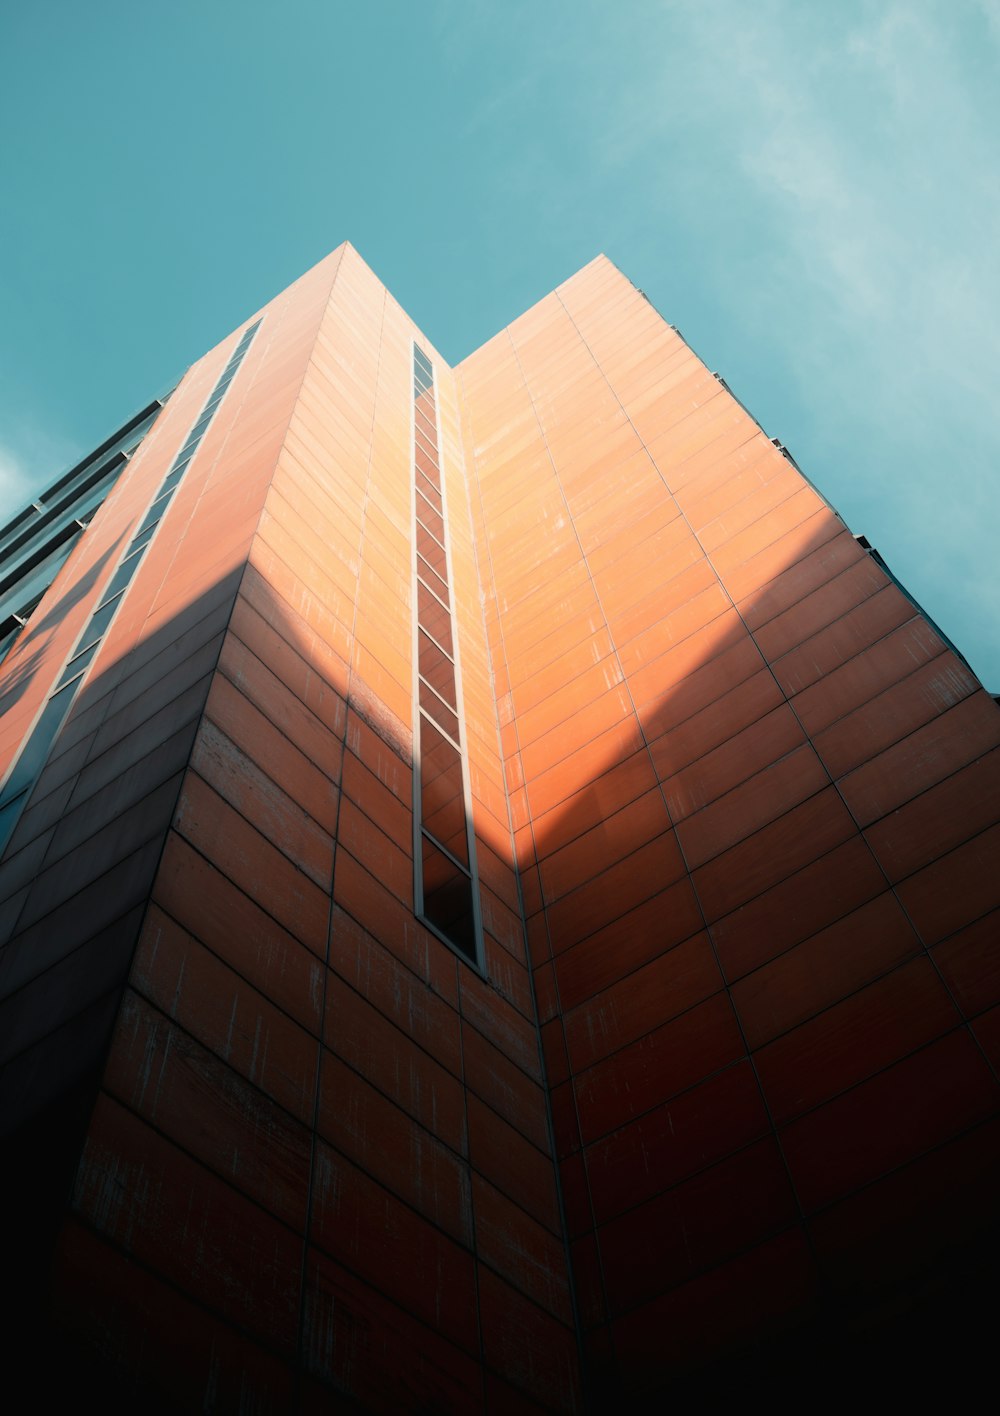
503	912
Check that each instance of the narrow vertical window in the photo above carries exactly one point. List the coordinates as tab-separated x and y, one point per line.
35	751
444	864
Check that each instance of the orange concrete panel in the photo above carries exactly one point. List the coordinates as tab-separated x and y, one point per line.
521	1250
855	1038
622	1012
367	1229
714	1118
394	1149
932	1095
665	1062
627	943
237	1022
824	968
386	1057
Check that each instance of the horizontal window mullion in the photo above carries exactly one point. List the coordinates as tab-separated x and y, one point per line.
443	594
427	684
122	576
446	652
438	710
438	728
35	749
444	866
79	663
430	589
445	851
439	544
100	620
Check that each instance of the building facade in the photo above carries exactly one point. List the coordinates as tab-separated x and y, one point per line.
499	897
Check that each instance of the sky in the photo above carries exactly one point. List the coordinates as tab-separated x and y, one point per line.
810	191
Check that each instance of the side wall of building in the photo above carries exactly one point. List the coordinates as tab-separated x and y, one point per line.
755	801
320	1157
734	805
79	869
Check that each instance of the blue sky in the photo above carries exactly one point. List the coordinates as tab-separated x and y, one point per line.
809	191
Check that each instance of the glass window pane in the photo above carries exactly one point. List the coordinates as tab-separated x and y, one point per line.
435	581
78	663
99	621
425	427
426	444
442	803
427	456
432	551
436	668
36	749
179	465
144	538
432	616
175	476
439	711
428	468
432	519
448	899
154	513
122	576
428	489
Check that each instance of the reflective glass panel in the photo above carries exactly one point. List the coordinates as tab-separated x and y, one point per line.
427	460
437	584
154	513
432	551
440	712
122	576
425	427
432	519
436	668
433	617
442	803
36	749
428	489
99	621
448	898
79	662
144	538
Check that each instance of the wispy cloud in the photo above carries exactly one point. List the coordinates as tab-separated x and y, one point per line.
810	191
16	484
818	187
875	153
31	458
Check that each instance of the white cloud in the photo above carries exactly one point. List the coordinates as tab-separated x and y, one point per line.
862	144
31	458
810	191
17	485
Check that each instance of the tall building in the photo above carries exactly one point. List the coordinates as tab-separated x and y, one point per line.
499	896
